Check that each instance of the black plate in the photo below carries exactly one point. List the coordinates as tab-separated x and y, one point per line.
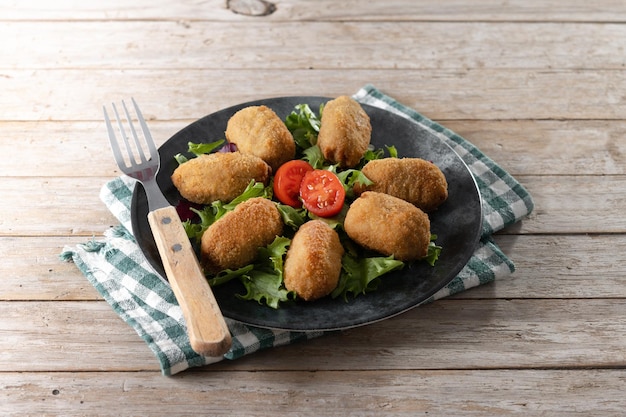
457	223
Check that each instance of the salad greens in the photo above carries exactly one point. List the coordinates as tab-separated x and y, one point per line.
263	279
198	149
264	283
360	275
304	125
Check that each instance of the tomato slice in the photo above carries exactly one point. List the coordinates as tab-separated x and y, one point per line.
287	181
322	193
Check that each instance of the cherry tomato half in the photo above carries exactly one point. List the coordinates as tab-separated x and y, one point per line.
322	193
287	181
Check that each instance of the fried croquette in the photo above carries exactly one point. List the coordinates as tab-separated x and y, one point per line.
388	225
415	180
313	263
218	176
257	130
345	132
233	240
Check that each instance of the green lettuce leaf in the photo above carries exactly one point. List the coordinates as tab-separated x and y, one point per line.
202	148
264	283
372	154
292	217
361	275
195	230
198	149
433	251
335	222
229	274
313	155
180	158
377	153
393	152
272	255
351	177
304	125
266	288
254	189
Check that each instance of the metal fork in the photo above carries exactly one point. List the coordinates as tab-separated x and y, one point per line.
207	330
146	169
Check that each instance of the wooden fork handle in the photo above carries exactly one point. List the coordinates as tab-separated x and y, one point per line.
207	330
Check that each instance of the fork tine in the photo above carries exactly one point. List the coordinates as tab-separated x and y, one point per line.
146	132
129	151
117	152
132	154
144	171
140	151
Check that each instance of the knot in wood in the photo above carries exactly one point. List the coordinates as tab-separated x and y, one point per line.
251	7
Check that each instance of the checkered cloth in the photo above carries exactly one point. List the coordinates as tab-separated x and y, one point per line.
116	267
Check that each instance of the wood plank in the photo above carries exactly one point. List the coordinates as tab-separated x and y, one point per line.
439	94
577	204
522	147
391	393
447	334
467	334
346	46
59	149
301	10
47	206
59	206
549	147
31	270
578	266
69	336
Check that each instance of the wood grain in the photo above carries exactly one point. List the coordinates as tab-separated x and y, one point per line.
208	332
32	205
566	269
476	393
483	94
326	10
32	270
448	334
205	45
564	204
573	147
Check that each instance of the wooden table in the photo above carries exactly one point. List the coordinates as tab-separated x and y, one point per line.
539	86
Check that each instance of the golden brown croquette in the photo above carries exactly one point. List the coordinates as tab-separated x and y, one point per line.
345	132
415	180
218	176
257	130
233	240
313	263
388	225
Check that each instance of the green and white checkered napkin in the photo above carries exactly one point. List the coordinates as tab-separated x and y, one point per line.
117	268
